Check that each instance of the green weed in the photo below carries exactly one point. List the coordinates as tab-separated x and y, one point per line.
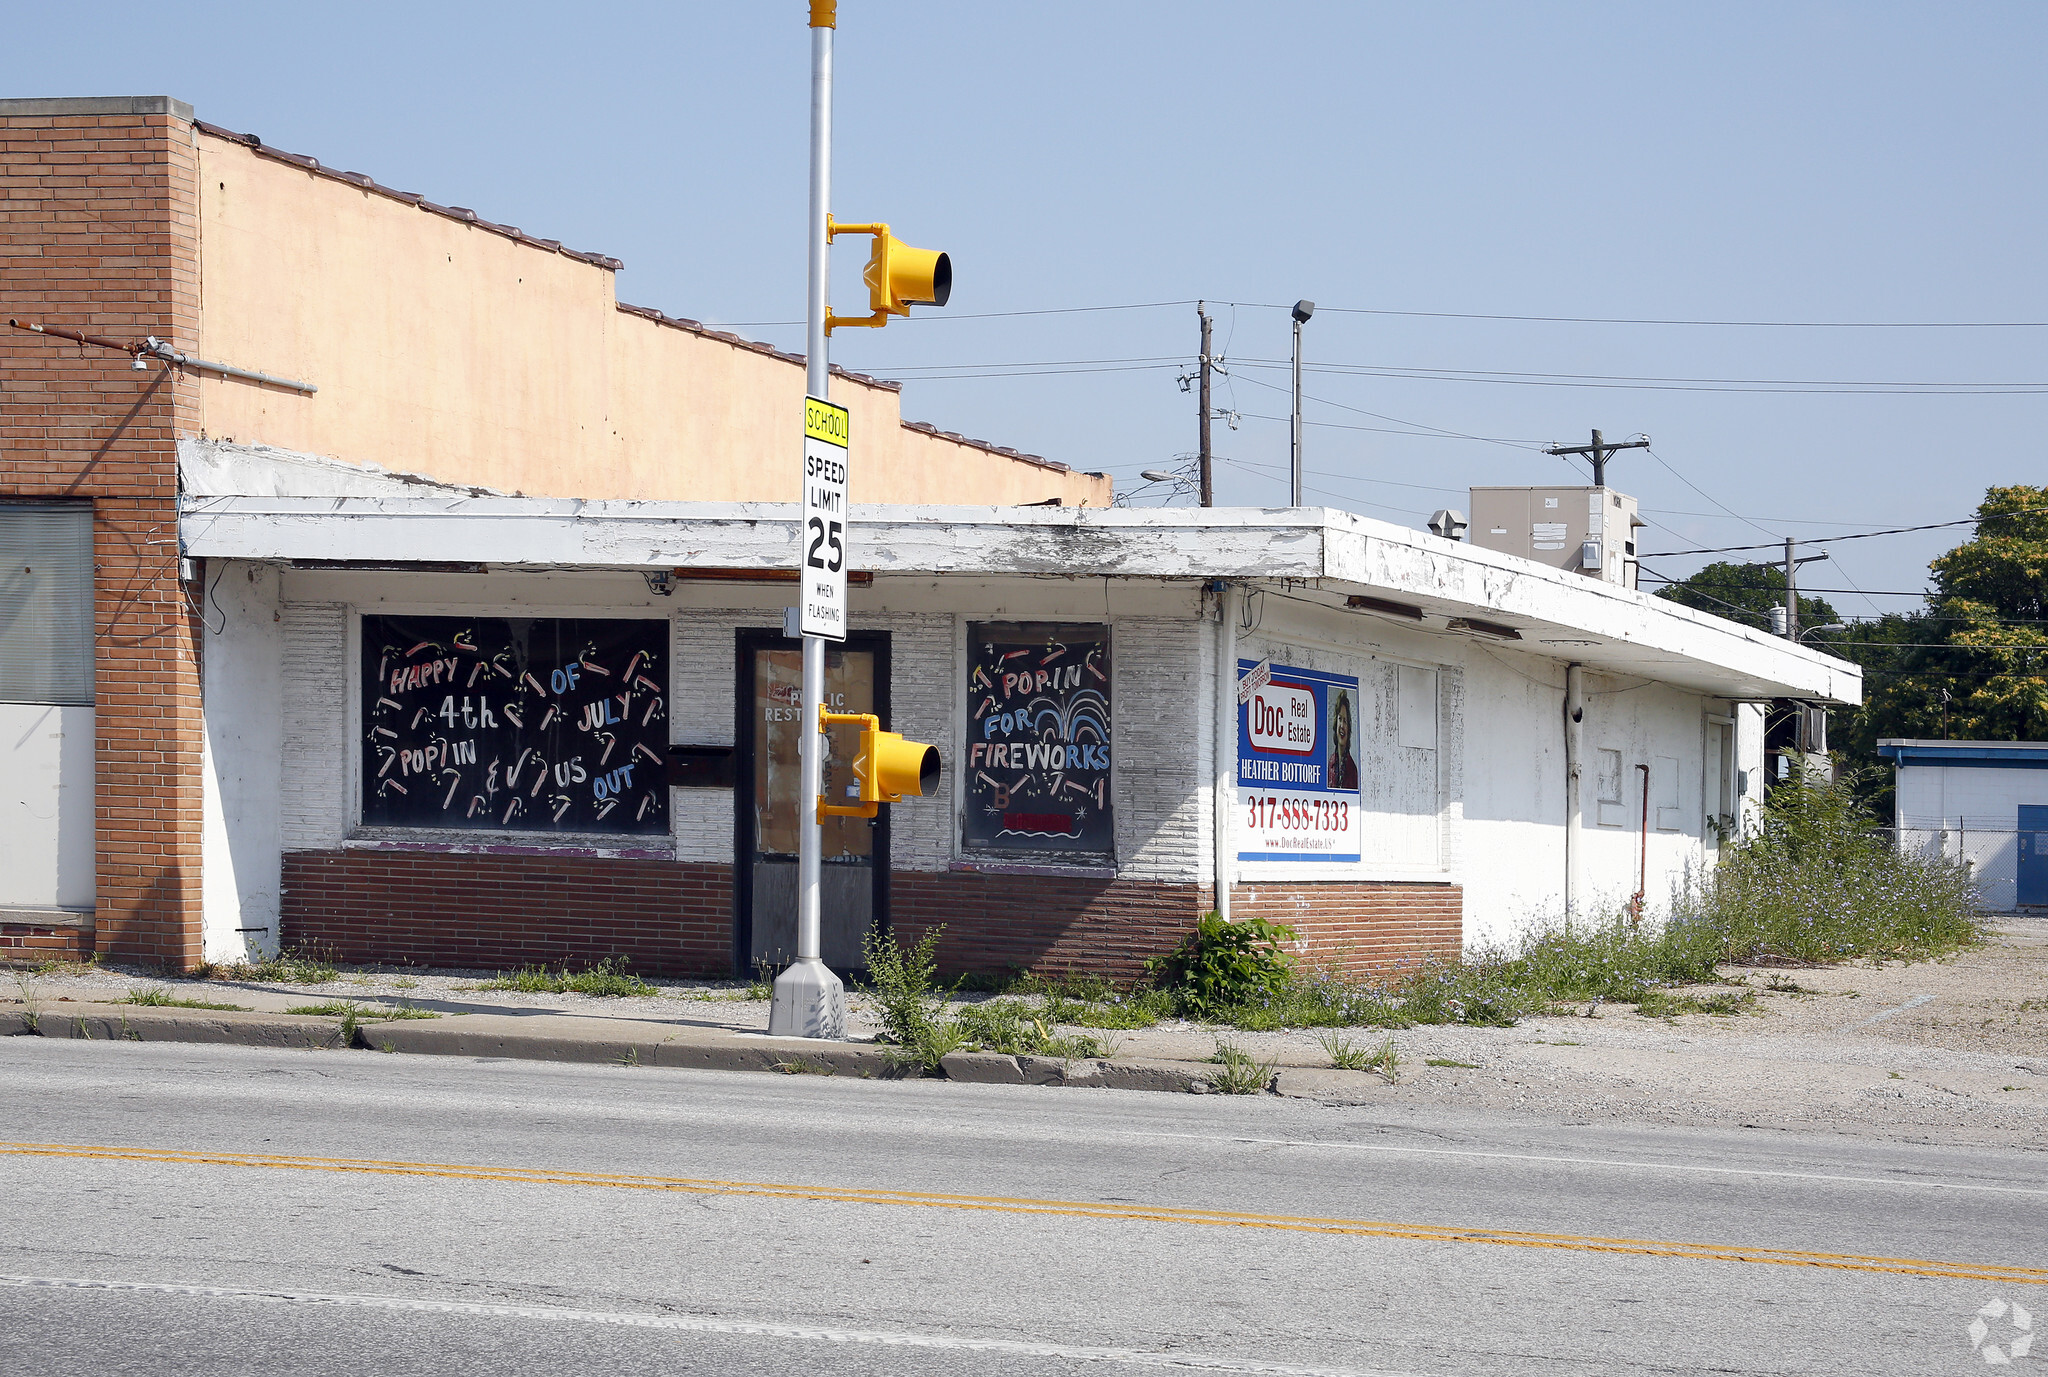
312	964
607	979
1346	1055
157	997
1446	1061
1242	1073
904	983
1014	1028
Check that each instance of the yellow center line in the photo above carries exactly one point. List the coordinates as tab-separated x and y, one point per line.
1027	1205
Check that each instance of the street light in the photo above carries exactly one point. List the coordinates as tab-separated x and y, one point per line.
1831	626
1302	311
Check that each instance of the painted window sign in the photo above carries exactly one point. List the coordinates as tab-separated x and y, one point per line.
522	724
1297	767
1038	739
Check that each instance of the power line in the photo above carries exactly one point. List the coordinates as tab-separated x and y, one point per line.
1379	416
1859	535
1626	320
1651	383
976	315
1702	491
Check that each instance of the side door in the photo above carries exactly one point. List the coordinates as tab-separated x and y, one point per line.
855	866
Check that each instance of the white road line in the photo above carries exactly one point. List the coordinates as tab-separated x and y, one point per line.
701	1324
1589	1162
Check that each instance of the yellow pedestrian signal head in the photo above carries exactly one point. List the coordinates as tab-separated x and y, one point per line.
896	767
888	767
898	276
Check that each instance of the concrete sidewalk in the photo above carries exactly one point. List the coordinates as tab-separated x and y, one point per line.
709	1027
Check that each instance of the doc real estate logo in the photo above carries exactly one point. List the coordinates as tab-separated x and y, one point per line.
1297	764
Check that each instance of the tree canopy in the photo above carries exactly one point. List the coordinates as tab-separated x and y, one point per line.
1971	665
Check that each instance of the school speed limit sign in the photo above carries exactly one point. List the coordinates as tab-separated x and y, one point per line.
821	574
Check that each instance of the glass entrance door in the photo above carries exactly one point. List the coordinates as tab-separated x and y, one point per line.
772	787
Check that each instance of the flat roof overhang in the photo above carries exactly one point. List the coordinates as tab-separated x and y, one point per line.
1554	613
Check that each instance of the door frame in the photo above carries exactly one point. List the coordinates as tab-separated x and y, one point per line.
746	641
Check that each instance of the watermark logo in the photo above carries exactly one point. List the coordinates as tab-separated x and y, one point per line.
2001	1332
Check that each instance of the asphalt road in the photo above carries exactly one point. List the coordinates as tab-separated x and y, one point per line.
187	1209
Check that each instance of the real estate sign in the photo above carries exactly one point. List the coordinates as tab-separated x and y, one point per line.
1297	765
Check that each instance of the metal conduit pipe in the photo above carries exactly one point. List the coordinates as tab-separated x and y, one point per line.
156	348
1574	802
1229	606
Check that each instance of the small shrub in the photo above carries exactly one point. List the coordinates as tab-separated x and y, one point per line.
904	983
1222	966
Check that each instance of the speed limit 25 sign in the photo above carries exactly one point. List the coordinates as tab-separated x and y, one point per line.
822	549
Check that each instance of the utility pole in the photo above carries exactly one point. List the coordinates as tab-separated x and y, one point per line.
1791	592
1600	452
1792	563
1208	485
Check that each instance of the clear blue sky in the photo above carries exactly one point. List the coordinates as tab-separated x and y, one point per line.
1772	162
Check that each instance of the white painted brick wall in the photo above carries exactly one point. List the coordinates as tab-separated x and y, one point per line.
701	678
1162	705
316	717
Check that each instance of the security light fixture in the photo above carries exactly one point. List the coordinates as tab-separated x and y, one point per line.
1303	310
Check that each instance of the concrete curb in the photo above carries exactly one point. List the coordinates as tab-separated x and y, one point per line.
120	1023
491	1037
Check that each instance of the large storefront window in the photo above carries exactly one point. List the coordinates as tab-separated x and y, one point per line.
521	724
1038	740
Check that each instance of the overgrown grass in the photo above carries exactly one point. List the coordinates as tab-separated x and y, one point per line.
1660	1004
1015	1028
607	979
157	997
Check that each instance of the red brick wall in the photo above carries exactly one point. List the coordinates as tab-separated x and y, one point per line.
1361	929
27	943
1051	924
1067	925
501	912
98	232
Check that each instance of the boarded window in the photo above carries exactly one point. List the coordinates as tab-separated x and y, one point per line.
1418	708
522	724
1038	740
46	603
1607	788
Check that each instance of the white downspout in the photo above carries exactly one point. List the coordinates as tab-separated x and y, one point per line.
1229	606
1574	806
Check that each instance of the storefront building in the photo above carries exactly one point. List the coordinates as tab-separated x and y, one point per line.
572	733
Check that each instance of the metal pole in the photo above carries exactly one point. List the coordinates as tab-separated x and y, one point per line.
1574	805
1208	486
809	999
1600	453
1229	606
1294	441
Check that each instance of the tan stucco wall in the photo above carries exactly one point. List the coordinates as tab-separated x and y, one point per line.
447	350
